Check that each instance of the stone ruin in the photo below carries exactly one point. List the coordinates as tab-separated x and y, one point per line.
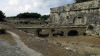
79	14
70	20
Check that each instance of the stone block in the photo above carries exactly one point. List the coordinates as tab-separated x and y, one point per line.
61	9
54	10
67	7
84	5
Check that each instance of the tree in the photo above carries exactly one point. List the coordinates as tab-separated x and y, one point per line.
44	17
2	31
2	16
28	15
79	1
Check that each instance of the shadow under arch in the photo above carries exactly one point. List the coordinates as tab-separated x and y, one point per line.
41	34
73	33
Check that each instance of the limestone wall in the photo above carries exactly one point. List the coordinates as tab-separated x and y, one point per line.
76	14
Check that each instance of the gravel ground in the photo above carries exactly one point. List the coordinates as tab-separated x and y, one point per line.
8	50
23	47
42	46
47	49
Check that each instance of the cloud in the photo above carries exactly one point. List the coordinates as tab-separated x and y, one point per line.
13	2
24	8
14	7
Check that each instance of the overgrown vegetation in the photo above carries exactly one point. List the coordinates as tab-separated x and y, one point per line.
2	31
2	16
8	38
28	15
32	16
90	27
45	17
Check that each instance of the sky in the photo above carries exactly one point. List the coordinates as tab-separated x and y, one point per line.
14	7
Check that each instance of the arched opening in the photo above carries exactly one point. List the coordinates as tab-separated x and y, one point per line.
90	27
73	33
42	33
60	33
57	32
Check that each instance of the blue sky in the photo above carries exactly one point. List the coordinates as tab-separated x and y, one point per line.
14	7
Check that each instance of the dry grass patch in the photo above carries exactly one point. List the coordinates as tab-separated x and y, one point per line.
78	39
8	38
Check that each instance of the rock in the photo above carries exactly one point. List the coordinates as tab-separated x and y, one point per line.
98	30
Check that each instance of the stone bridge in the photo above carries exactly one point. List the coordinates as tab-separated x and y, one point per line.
55	31
49	31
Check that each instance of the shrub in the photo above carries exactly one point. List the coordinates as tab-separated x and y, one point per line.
26	22
2	31
90	27
84	34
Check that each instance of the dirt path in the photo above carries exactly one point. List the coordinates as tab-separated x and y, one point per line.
23	47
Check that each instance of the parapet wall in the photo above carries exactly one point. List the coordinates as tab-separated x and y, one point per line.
76	14
78	6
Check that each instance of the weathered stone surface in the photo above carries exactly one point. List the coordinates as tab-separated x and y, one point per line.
77	14
63	19
79	6
55	18
97	30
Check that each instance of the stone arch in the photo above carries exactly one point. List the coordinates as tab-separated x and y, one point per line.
57	32
42	33
90	27
73	33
